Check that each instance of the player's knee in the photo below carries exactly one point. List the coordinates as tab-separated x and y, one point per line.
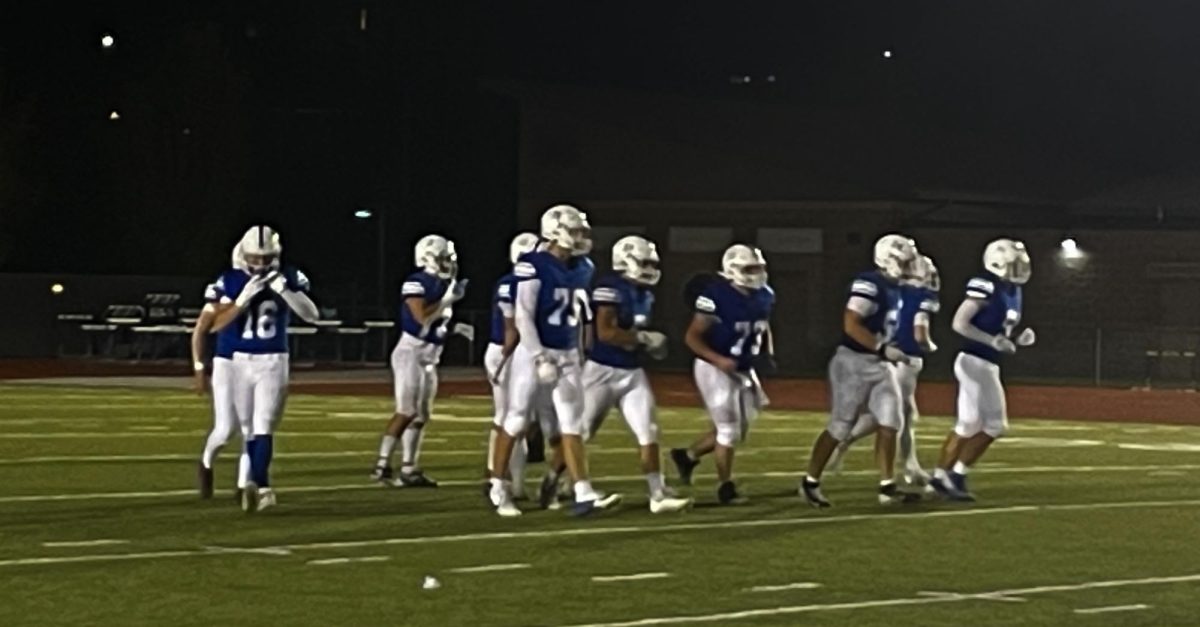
995	428
571	427
728	434
839	429
647	434
967	428
514	424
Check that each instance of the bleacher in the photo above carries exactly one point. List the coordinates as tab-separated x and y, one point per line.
161	328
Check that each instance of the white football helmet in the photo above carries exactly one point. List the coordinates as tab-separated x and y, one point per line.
636	258
568	228
1009	260
745	266
925	274
259	250
521	244
435	255
895	256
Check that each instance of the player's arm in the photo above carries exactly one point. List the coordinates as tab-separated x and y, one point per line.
426	311
525	314
204	323
224	314
511	335
963	325
921	332
694	339
854	321
609	331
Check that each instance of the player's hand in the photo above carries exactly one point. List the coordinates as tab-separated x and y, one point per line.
1004	345
252	288
930	347
1027	337
725	364
457	290
892	353
652	340
200	383
276	281
545	369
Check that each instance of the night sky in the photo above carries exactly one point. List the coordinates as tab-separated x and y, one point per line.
232	112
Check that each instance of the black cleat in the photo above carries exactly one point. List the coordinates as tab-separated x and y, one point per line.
415	479
382	474
684	464
204	480
890	494
811	491
727	494
548	491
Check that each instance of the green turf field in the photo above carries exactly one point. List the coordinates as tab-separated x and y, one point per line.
1078	524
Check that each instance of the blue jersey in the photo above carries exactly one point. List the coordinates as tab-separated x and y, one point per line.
1001	312
428	289
262	328
913	300
633	304
502	302
741	320
561	298
884	314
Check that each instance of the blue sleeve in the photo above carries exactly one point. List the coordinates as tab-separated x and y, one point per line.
866	288
526	268
707	301
415	286
606	293
981	288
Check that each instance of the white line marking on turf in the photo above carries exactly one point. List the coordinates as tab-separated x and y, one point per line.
601	531
633	577
1171	447
985	596
1112	608
348	560
800	585
488	568
77	543
917	600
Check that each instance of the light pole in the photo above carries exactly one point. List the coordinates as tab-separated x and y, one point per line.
380	252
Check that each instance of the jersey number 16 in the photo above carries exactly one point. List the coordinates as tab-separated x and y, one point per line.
261	323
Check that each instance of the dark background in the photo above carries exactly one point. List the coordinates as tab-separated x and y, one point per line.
291	113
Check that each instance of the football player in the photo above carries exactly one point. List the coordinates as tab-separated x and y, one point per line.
987	320
918	303
545	368
224	416
426	307
503	341
726	333
860	372
612	377
257	300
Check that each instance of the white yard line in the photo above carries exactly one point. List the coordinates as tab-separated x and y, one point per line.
916	600
488	568
78	543
800	585
348	560
1112	608
606	531
631	577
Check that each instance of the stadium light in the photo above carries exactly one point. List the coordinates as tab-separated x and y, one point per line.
887	54
1069	245
56	289
113	115
363	214
107	41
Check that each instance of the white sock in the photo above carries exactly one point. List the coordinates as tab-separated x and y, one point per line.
516	468
584	491
386	446
809	479
883	483
940	474
654	480
410	446
960	468
243	469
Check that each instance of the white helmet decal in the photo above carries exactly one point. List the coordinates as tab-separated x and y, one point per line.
745	266
258	250
895	256
521	244
636	258
435	255
1009	260
568	228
